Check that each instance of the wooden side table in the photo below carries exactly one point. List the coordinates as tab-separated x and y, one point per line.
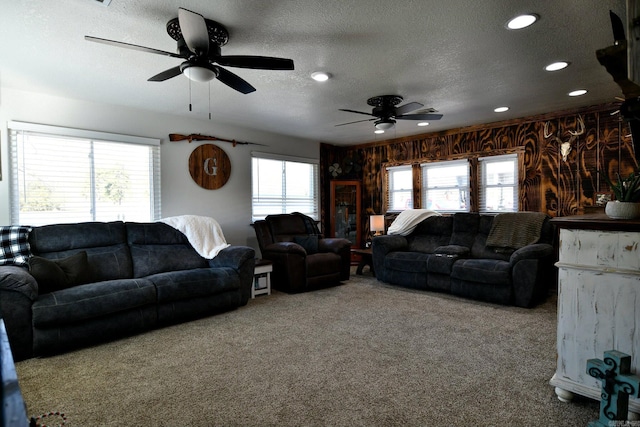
262	278
366	258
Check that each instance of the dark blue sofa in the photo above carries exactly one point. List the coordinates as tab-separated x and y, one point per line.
137	276
450	254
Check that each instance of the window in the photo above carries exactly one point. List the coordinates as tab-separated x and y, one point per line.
283	184
445	186
498	183
62	175
399	188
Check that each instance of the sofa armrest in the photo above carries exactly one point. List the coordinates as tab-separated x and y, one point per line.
339	246
333	244
242	259
18	279
18	291
381	246
534	251
283	248
532	273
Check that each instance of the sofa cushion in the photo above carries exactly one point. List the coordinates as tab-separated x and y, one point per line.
465	228
14	245
193	284
480	248
54	275
324	263
105	243
429	234
90	301
413	262
309	243
441	263
482	271
159	248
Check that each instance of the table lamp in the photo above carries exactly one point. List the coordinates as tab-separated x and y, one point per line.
376	224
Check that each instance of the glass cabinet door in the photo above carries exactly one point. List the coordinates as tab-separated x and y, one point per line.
345	211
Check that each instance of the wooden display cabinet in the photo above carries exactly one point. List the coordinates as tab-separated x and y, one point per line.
345	211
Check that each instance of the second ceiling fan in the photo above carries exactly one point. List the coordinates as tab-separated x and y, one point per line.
385	113
199	41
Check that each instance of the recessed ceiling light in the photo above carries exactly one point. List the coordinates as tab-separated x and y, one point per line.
501	109
578	92
423	124
320	76
557	66
522	21
378	131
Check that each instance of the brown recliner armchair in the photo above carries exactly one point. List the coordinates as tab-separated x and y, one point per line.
302	258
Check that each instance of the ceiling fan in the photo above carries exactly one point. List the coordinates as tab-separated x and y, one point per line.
199	41
385	113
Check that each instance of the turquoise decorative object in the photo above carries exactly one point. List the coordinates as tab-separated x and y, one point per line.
617	385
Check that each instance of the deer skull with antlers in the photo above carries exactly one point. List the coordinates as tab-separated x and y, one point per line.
565	146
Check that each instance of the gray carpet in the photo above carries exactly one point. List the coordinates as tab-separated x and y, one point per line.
359	354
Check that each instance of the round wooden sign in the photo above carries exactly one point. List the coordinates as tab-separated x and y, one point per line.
209	166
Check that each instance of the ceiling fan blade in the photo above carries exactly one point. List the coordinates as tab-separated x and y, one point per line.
420	117
255	62
406	108
132	46
359	112
357	121
194	31
234	81
166	74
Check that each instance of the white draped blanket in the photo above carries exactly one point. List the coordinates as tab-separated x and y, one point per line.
408	219
204	233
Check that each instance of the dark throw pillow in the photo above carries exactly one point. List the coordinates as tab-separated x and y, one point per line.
309	243
54	275
14	245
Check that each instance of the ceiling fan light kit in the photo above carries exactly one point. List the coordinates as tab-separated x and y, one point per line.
198	73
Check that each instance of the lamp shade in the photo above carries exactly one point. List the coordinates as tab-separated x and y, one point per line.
376	223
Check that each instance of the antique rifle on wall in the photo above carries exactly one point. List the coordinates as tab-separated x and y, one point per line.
197	137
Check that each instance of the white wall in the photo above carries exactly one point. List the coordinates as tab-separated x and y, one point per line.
230	205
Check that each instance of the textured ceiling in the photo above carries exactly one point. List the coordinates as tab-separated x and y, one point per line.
455	56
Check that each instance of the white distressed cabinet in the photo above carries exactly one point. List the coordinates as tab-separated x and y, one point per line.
598	299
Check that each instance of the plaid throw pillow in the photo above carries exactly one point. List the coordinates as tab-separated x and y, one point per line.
14	245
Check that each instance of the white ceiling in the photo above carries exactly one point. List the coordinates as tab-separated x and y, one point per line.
455	56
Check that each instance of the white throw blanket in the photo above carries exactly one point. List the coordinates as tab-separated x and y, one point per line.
408	220
203	233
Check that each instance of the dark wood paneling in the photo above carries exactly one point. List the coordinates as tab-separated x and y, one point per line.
547	183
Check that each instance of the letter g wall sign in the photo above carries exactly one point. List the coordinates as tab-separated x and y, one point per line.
209	166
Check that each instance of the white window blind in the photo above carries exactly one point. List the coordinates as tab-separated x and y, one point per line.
498	183
62	175
445	186
283	184
399	188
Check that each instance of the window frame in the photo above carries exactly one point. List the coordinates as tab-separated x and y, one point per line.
314	185
424	185
81	136
390	170
483	186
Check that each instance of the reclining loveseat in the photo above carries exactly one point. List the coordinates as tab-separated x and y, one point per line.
465	255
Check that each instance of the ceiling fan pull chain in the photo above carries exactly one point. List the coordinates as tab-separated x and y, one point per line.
209	100
190	95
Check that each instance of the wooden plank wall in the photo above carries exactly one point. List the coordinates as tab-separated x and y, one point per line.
547	184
